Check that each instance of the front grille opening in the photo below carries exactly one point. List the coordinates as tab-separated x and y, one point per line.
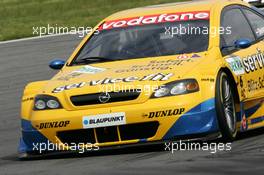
84	136
92	99
138	131
107	134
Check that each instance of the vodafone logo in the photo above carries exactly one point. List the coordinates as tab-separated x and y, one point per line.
155	19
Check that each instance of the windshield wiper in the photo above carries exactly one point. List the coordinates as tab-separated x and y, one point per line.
93	60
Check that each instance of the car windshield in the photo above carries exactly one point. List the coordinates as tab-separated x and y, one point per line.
143	41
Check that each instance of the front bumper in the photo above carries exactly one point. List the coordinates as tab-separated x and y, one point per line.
197	119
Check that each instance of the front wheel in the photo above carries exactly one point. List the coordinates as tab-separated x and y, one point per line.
225	107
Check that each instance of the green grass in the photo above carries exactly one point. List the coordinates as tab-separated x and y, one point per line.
18	17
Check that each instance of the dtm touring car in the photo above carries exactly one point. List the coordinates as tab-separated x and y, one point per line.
206	85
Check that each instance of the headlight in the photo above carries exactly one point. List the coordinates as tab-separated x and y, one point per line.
162	92
176	88
45	102
40	104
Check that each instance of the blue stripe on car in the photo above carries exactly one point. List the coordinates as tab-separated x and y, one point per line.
30	137
200	119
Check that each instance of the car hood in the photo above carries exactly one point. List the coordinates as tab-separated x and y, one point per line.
93	78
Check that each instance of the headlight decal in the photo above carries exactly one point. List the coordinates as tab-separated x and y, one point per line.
46	102
179	87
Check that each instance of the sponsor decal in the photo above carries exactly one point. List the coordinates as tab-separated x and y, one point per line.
208	79
89	70
243	90
27	99
236	65
196	56
254	62
183	57
56	124
254	85
241	82
243	118
69	76
248	64
104	120
244	124
68	87
166	113
155	19
155	65
84	70
151	77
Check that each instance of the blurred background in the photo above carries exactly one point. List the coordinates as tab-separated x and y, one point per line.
18	17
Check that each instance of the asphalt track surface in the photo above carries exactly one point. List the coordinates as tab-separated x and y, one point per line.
26	61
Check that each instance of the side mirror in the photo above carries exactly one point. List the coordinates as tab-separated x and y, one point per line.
57	64
243	43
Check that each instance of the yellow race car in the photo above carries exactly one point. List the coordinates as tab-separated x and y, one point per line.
191	70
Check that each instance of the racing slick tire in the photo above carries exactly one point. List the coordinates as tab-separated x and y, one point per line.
225	107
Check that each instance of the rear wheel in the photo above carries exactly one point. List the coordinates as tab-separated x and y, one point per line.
225	107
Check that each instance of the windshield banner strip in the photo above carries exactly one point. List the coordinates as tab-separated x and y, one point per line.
155	19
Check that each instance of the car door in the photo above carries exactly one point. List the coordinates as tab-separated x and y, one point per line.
255	76
243	62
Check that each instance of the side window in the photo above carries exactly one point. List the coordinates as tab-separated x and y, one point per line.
235	20
256	21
